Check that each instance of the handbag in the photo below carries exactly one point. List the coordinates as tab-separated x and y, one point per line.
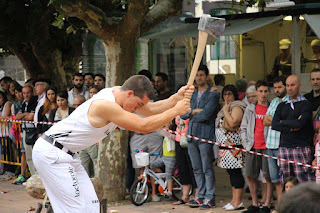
31	136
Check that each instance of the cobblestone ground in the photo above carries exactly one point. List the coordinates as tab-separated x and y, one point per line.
17	200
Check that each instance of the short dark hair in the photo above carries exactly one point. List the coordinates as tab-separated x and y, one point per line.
218	79
204	68
6	79
140	85
101	76
232	89
18	87
163	76
146	73
63	94
315	70
280	78
78	75
89	73
261	83
300	199
30	80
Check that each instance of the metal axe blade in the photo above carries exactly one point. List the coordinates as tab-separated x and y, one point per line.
212	25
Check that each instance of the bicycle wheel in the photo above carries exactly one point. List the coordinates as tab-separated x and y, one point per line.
138	194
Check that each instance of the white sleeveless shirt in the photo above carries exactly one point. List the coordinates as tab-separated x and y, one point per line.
75	132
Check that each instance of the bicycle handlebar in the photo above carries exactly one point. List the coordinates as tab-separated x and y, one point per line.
154	153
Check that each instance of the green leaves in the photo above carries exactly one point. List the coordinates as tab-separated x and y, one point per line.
70	30
59	21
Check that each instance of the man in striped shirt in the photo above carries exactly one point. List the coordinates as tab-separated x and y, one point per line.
273	139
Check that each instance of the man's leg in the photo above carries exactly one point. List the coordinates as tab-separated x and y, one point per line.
274	171
206	153
195	157
28	151
93	153
252	182
86	160
302	155
66	182
284	169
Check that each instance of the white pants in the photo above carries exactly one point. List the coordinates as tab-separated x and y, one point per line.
67	184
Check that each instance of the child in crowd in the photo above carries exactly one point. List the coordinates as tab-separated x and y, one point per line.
169	156
289	183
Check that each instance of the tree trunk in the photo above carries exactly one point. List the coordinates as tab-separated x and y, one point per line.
119	60
112	164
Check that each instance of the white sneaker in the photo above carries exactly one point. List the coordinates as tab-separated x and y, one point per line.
155	198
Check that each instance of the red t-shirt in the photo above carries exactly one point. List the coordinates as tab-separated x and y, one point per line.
259	142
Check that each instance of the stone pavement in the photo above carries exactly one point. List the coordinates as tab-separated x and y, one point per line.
17	200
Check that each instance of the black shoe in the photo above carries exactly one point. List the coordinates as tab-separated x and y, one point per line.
252	209
265	209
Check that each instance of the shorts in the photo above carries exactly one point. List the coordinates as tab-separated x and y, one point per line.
150	143
255	163
168	162
273	166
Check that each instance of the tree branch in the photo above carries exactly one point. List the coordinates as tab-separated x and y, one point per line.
162	10
137	9
94	17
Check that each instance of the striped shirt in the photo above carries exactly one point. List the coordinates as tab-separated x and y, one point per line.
273	139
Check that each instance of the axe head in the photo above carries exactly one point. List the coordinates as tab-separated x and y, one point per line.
212	25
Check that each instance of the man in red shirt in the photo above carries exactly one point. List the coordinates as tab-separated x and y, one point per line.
254	137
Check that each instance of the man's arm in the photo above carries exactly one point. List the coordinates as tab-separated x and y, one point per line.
211	106
303	120
244	128
276	124
102	112
163	105
267	120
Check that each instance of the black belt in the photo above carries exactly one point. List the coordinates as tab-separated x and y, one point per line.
56	144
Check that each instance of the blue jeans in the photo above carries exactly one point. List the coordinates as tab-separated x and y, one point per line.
273	166
201	156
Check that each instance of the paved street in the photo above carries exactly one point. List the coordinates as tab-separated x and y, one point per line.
17	200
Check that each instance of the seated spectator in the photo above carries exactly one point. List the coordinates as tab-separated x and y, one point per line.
63	110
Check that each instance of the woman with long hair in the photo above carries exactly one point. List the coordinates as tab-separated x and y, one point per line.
63	110
44	111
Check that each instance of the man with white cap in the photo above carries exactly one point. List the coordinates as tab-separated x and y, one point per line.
315	59
282	63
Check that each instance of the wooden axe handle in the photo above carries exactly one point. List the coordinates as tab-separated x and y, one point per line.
202	41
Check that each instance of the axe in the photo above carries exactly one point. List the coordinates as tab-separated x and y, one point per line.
207	25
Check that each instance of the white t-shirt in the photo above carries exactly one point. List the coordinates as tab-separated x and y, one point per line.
75	132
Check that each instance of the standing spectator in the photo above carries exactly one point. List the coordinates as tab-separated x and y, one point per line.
44	111
40	88
241	86
254	135
219	81
15	108
27	114
88	80
78	100
100	81
251	95
161	84
314	98
5	86
293	119
78	88
63	110
227	132
5	112
11	96
204	109
273	139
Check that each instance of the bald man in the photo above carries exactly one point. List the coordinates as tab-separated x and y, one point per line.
293	118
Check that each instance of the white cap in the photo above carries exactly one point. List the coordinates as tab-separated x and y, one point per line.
315	42
284	44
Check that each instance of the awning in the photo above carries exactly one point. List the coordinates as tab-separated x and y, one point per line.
233	27
313	21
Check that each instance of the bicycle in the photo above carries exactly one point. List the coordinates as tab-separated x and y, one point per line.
140	189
